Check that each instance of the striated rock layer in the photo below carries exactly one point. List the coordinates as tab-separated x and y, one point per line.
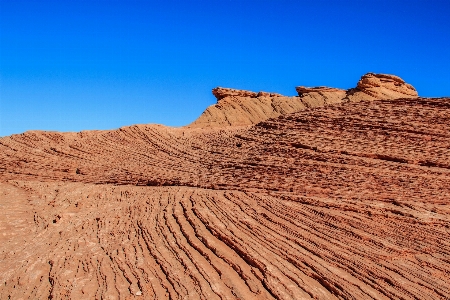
381	86
239	107
346	201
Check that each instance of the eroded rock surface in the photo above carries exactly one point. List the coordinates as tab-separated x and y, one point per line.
240	107
221	93
347	201
381	86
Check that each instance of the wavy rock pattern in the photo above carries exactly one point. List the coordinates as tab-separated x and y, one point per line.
381	87
240	107
347	201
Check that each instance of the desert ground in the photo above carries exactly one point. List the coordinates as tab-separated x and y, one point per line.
331	194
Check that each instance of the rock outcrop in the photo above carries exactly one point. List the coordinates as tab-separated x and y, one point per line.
240	107
243	108
381	86
319	96
220	93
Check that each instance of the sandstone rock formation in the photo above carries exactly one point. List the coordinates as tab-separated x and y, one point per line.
344	201
381	86
240	108
221	93
320	96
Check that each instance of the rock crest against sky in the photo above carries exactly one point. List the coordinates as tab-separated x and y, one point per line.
240	107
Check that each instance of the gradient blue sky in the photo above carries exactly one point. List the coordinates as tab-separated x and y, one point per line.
77	65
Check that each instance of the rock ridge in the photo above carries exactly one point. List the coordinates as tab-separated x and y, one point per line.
221	93
381	87
301	90
241	107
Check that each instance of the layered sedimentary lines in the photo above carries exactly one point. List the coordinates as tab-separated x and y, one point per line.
175	242
347	201
142	155
240	107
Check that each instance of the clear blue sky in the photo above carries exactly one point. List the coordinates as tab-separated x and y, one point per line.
78	65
